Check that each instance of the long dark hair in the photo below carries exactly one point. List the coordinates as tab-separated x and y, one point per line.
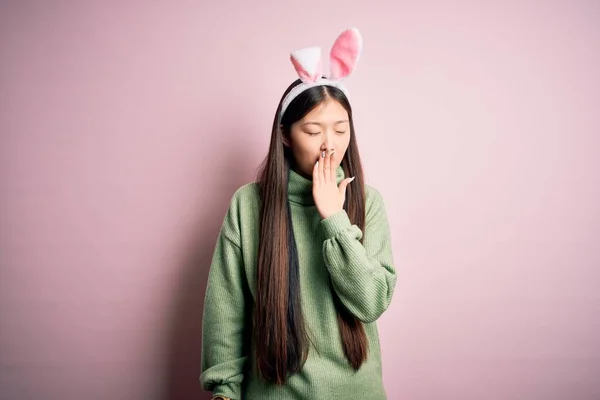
279	334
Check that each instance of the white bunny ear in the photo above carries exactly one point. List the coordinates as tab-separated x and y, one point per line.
308	63
345	53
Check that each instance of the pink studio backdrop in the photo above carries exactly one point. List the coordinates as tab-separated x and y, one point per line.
126	127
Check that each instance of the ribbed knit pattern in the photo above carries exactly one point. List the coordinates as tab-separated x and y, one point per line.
331	258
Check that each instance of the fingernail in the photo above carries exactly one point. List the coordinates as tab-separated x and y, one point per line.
351	179
317	163
323	154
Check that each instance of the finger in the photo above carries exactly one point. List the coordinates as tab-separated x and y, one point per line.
315	173
332	171
322	167
326	166
344	184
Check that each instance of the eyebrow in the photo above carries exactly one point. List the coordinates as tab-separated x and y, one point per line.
319	123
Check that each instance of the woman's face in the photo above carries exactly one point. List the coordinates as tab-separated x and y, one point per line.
324	128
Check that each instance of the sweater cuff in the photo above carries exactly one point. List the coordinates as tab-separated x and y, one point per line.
229	390
335	224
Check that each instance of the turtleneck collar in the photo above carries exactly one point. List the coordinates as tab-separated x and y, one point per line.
300	188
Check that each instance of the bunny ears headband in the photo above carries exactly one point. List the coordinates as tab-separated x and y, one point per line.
307	62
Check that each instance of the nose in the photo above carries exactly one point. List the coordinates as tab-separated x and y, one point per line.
327	141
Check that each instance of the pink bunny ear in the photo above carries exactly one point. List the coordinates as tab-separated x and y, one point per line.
308	63
344	54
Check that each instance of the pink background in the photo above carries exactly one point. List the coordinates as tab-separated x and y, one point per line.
125	129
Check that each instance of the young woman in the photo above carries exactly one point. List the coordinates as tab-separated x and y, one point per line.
303	264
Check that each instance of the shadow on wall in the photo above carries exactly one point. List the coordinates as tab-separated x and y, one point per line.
185	331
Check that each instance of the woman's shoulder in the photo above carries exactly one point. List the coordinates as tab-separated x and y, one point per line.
242	209
247	191
245	195
373	195
375	203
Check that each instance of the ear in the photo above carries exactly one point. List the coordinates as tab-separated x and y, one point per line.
345	53
308	63
284	138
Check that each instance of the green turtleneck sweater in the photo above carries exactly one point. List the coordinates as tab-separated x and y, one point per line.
331	257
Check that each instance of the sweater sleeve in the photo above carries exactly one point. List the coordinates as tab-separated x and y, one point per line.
224	322
363	276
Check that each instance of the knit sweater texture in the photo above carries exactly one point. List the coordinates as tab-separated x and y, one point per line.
331	258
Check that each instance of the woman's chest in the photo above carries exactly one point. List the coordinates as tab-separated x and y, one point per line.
306	246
